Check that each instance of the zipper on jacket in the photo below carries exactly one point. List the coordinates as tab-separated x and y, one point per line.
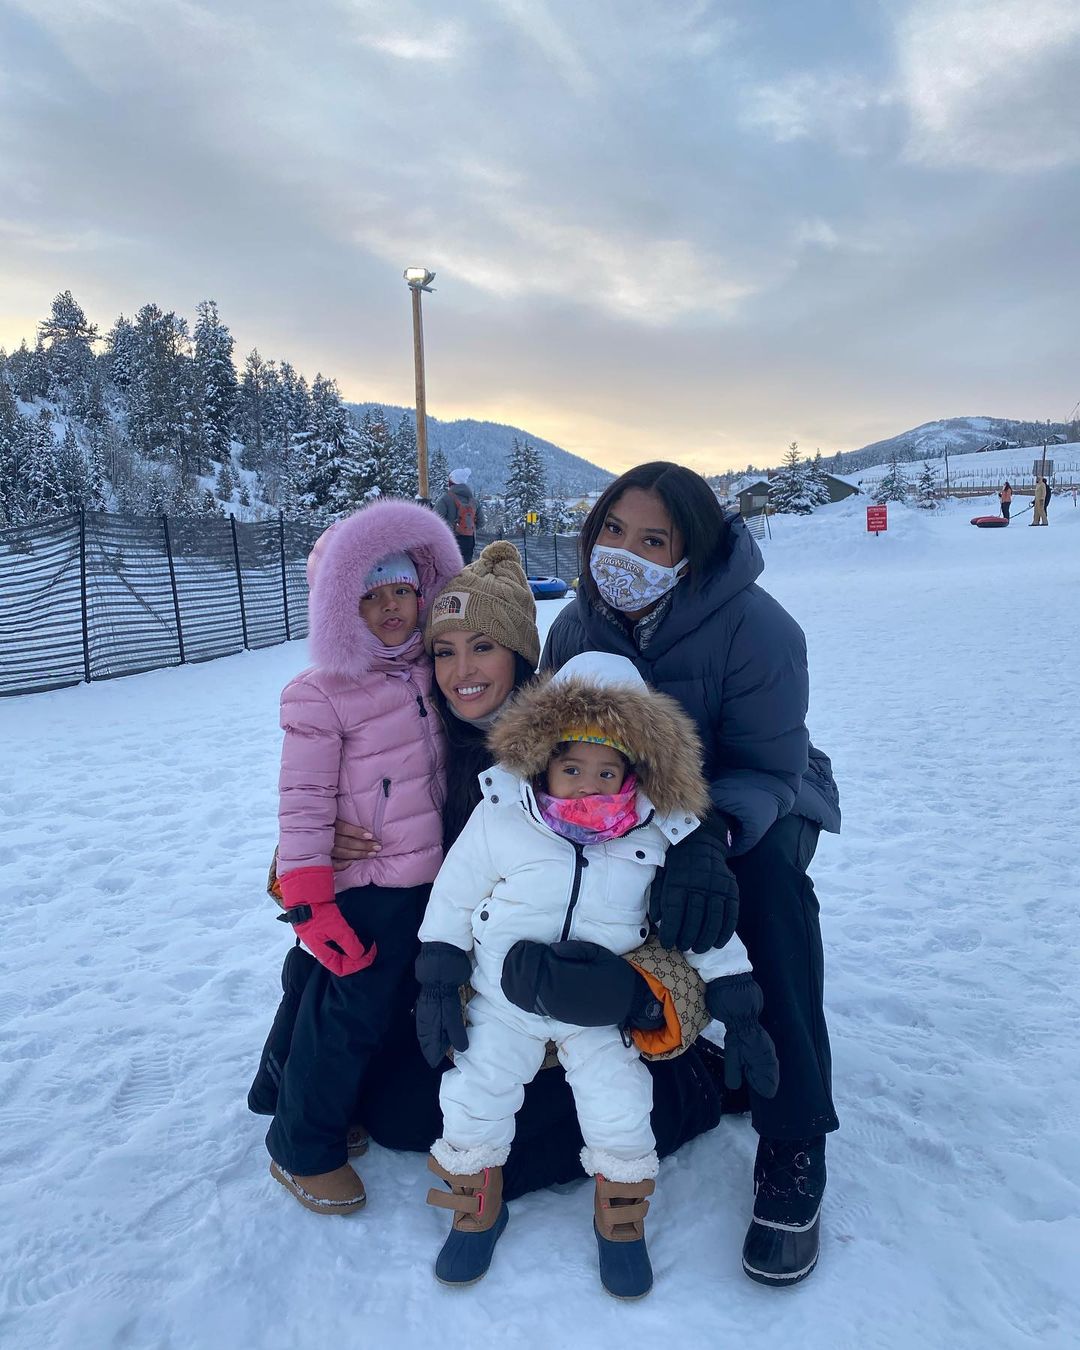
420	704
580	863
380	809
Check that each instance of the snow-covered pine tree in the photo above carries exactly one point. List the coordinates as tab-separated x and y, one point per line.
438	473
120	353
789	490
69	353
157	397
926	488
208	505
894	487
526	485
817	481
557	517
404	479
375	434
42	493
249	411
215	383
225	483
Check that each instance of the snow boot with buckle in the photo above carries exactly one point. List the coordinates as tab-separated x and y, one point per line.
479	1219
619	1224
357	1141
781	1246
338	1192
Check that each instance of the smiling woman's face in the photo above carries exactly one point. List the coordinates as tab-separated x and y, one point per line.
475	674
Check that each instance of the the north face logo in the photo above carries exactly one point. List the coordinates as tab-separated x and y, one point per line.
449	605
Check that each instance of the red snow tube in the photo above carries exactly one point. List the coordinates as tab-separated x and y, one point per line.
989	522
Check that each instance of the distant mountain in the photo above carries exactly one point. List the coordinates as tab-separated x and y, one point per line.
959	435
485	448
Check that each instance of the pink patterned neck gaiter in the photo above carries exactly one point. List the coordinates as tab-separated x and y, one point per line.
591	820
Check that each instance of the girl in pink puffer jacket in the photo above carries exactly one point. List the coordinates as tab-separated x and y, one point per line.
362	744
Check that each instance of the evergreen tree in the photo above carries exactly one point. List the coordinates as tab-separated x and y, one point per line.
120	353
894	487
403	479
158	395
526	485
438	472
375	437
817	481
225	485
926	488
42	492
69	354
215	383
250	411
208	505
558	517
789	489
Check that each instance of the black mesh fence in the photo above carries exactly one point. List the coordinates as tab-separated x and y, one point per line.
95	596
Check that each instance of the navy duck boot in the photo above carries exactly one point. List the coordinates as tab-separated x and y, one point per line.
781	1246
619	1225
479	1219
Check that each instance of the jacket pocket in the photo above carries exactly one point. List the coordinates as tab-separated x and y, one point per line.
381	803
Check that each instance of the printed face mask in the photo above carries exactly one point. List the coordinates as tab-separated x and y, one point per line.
629	583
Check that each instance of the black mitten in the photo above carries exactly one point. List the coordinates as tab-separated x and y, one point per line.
580	983
694	901
737	1001
441	969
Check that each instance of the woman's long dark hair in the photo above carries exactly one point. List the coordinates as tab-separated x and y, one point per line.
691	504
467	757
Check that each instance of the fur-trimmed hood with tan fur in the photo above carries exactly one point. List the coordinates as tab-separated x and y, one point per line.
603	691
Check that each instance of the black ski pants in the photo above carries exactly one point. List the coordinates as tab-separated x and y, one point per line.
778	922
342	1022
467	544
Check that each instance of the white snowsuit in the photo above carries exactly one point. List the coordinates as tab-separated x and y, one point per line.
510	876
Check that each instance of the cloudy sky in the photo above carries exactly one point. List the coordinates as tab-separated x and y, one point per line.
683	228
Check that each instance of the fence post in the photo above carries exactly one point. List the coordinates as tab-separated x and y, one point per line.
82	590
555	541
175	593
284	577
525	548
239	580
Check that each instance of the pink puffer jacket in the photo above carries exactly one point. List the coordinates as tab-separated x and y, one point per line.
361	739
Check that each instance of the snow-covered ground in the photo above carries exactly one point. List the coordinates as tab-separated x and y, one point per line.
140	962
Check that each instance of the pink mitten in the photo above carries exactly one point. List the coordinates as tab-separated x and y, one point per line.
310	907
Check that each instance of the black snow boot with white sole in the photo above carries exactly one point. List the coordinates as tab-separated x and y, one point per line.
781	1246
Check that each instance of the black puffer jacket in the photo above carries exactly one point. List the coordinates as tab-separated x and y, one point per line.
736	661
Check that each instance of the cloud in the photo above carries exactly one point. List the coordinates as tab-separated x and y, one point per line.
991	84
843	109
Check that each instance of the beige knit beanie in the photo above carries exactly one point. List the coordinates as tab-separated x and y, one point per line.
490	596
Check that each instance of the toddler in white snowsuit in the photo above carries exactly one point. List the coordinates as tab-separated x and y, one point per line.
598	774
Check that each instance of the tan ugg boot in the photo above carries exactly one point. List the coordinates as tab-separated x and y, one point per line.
479	1219
619	1221
338	1192
356	1141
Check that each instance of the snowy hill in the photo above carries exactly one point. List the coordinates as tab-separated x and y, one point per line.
139	976
960	435
991	466
485	448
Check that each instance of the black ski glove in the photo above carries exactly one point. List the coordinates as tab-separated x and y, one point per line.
736	1000
694	901
441	969
580	983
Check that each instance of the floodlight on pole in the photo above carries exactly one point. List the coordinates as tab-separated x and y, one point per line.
419	279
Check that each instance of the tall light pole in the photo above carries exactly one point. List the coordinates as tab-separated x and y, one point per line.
420	279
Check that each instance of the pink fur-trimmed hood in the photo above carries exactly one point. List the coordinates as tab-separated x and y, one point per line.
340	641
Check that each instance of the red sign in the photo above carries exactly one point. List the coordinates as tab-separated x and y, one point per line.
877	518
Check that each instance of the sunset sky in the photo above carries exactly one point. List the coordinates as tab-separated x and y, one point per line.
660	227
